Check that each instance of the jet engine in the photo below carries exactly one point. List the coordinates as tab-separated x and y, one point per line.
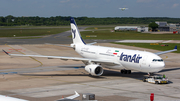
94	69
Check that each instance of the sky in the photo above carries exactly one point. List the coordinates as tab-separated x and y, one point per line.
90	8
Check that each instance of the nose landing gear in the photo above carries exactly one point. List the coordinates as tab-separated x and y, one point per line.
150	74
123	71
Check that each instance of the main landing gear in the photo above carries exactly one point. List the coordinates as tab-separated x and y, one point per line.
123	71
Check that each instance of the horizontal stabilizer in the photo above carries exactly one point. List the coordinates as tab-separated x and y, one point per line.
59	45
92	43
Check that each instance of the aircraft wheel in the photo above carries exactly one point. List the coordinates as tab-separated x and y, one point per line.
122	71
125	72
128	71
144	80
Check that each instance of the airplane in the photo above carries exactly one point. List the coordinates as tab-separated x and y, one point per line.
96	57
7	98
123	9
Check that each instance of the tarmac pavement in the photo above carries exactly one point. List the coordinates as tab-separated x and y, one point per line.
42	79
24	77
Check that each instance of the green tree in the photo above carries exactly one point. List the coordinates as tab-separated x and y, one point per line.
64	20
2	19
153	25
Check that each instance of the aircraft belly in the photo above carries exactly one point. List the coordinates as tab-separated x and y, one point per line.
89	55
118	67
131	66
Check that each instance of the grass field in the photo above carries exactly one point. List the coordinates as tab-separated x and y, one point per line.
30	32
67	26
131	35
100	34
33	26
28	37
156	47
96	28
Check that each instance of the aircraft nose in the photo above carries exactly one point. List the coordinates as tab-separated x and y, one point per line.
161	65
156	67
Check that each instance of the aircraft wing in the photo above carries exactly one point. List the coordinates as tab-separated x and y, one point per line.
8	98
123	8
59	45
163	52
68	58
71	97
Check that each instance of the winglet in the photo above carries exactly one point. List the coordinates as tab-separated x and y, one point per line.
76	93
5	52
175	47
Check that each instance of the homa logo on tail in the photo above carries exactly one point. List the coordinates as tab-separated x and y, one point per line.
74	32
130	58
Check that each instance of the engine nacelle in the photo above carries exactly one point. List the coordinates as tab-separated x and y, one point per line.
95	70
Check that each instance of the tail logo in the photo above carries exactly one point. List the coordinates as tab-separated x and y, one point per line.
74	32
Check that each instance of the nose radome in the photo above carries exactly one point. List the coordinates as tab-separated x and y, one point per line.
161	65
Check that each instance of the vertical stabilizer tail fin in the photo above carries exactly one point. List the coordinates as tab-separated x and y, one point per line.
76	36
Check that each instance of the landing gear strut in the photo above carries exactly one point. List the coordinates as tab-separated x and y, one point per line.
150	74
123	71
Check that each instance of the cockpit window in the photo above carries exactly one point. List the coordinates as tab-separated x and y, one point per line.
159	60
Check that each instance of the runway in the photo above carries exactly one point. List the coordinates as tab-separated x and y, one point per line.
42	79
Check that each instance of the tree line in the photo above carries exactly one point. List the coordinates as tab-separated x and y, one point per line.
64	20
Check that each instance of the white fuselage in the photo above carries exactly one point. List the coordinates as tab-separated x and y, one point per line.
127	59
8	98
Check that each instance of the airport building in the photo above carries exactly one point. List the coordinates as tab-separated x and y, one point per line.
120	28
131	28
163	26
174	27
143	29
